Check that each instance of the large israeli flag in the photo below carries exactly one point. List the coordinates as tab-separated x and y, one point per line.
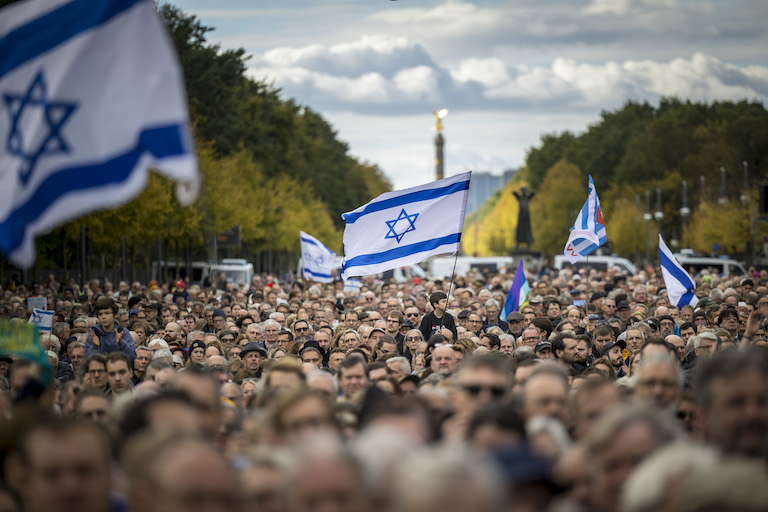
406	226
588	232
679	284
91	97
316	258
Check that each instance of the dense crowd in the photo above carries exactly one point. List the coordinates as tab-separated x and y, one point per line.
598	394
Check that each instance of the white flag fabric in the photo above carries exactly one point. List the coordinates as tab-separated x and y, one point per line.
316	258
588	232
405	227
42	319
91	97
679	284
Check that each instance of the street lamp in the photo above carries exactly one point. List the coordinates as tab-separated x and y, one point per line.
745	187
658	215
685	212
647	217
439	142
722	199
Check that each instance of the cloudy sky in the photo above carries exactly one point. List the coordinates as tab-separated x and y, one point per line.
508	71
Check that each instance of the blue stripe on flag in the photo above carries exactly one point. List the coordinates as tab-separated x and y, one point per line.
42	34
677	273
316	274
413	197
308	241
685	299
161	142
400	252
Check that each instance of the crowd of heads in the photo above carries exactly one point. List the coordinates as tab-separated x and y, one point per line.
597	394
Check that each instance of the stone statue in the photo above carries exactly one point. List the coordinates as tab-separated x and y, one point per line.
523	235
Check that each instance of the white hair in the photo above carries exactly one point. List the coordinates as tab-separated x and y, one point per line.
163	354
646	486
405	366
157	342
51	353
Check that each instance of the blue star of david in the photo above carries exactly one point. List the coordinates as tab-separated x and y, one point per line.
54	115
410	219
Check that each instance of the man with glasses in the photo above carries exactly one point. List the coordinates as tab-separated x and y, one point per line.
475	323
95	372
666	325
351	319
729	320
412	313
609	308
480	380
530	337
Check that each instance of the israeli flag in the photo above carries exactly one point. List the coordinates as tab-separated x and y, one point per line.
316	258
404	227
679	284
42	319
91	98
352	285
588	232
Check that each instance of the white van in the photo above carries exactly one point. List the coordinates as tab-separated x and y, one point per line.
596	262
721	266
236	271
440	267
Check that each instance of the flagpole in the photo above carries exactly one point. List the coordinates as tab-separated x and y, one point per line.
450	287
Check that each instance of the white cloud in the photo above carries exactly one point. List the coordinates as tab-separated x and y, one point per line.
397	76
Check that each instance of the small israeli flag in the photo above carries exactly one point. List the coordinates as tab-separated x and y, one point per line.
42	319
91	97
406	226
316	258
679	284
588	232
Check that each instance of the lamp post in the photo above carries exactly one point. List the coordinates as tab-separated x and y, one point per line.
439	142
745	186
685	212
722	199
659	214
647	217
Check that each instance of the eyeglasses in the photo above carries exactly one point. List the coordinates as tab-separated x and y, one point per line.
301	329
476	389
413	338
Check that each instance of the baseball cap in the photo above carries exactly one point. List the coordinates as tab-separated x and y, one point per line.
622	305
542	345
610	345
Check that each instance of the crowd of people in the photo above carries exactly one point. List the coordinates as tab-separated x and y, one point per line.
598	394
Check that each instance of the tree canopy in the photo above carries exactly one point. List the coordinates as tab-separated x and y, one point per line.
269	164
639	148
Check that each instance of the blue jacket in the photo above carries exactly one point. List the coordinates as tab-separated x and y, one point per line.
108	342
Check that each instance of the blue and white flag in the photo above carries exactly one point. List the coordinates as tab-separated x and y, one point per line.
91	97
352	285
406	226
679	284
316	258
588	232
42	319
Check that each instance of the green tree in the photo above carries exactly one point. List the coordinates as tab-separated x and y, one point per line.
556	205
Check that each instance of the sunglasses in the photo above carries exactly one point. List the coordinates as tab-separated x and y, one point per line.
475	390
302	329
412	314
413	338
